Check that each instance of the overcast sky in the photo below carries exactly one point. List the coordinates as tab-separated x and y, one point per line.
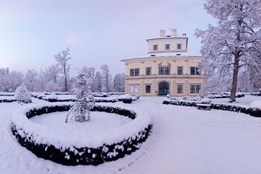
97	32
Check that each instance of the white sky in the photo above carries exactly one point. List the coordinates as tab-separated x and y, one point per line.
97	32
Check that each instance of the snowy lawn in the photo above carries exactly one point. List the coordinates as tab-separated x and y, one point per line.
184	140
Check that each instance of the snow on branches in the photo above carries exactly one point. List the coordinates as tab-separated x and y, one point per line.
232	46
85	101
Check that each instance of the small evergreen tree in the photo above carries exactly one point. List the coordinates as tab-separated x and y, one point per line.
85	101
22	95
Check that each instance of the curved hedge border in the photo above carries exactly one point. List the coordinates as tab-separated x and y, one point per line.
73	100
255	112
52	100
74	155
7	100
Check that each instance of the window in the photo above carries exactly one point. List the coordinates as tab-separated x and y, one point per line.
167	46
164	70
155	47
134	72
179	88
148	71
180	70
194	89
194	71
134	89
148	88
179	46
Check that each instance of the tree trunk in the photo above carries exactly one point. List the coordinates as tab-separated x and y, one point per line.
234	80
65	79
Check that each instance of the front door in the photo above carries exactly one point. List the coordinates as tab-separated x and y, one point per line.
163	88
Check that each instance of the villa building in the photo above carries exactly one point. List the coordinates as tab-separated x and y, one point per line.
165	69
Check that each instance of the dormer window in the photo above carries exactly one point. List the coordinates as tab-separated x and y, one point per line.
167	46
155	47
179	46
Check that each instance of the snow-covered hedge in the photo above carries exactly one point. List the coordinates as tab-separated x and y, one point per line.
256	93
255	104
256	112
7	100
97	100
224	95
73	147
123	98
6	94
127	98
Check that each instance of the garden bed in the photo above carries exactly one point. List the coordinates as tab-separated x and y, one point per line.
72	147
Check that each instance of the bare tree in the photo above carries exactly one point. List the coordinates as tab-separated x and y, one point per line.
97	83
106	79
10	80
31	80
235	41
89	72
62	58
118	82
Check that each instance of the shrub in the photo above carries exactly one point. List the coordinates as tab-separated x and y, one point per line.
22	95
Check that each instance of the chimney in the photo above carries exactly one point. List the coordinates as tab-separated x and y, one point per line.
162	33
174	32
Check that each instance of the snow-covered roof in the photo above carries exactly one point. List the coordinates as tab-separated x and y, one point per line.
169	54
166	54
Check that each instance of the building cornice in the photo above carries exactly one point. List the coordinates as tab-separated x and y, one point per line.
160	58
169	38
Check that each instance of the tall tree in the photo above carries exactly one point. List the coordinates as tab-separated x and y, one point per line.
52	78
97	83
31	80
118	82
106	79
89	72
10	80
62	58
235	41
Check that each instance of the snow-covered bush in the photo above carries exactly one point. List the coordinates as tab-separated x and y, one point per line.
22	95
126	98
51	98
85	101
255	104
205	100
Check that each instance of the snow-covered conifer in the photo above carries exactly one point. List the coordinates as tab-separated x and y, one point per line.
85	101
22	95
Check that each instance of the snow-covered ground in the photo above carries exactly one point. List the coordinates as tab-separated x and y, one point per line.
101	122
184	140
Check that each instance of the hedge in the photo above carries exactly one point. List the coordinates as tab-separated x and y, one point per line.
250	111
74	155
